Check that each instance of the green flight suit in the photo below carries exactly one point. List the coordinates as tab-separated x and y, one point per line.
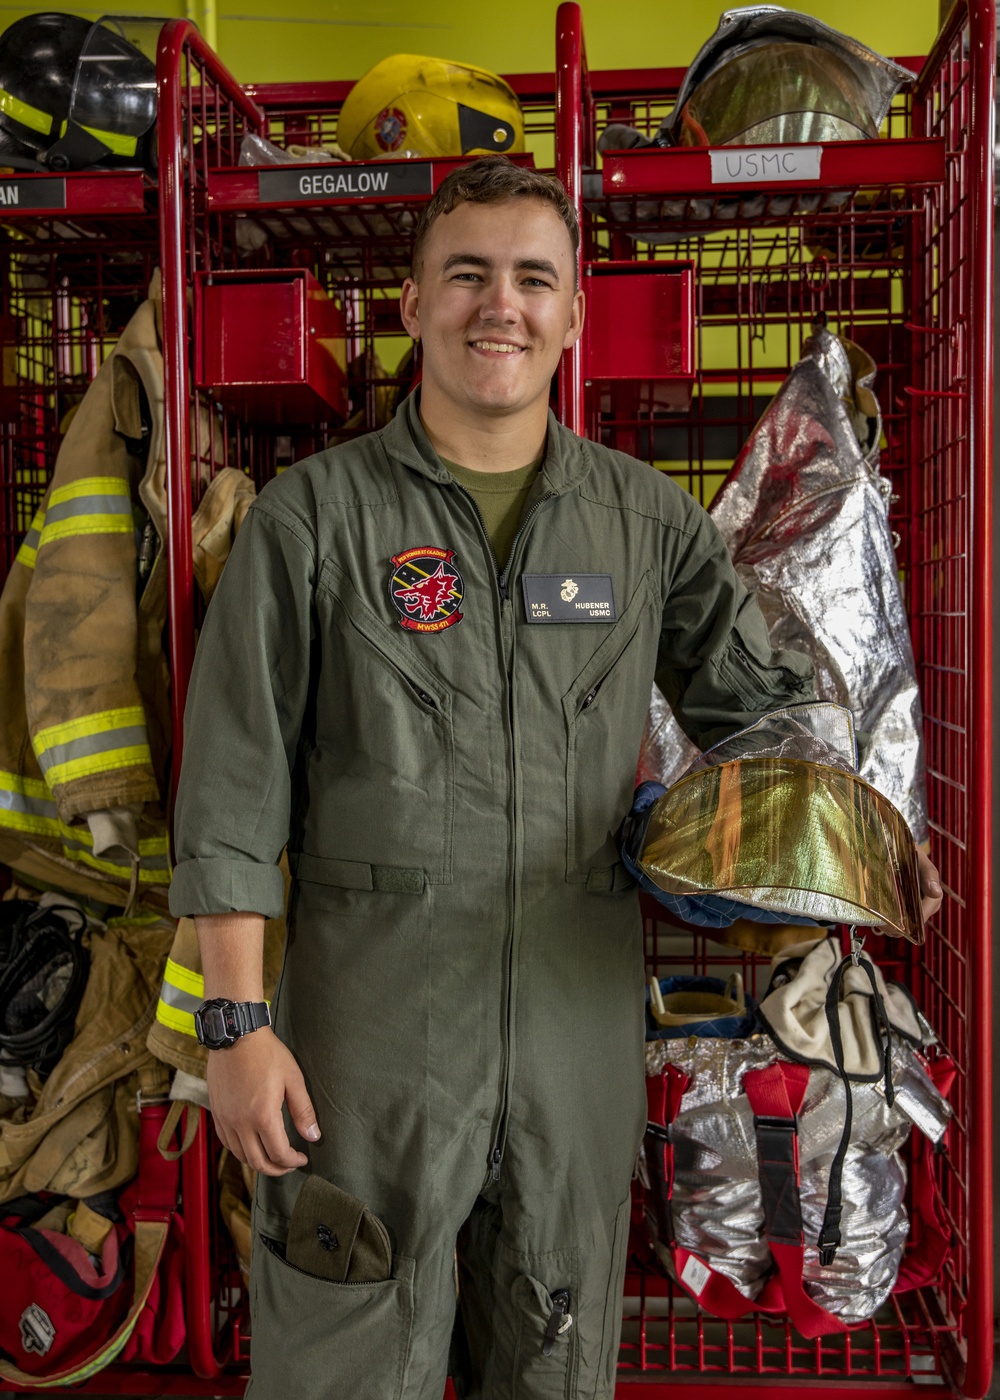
463	984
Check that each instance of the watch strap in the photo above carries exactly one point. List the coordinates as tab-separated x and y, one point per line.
251	1015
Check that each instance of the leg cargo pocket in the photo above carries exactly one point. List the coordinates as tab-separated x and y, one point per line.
312	1339
545	1347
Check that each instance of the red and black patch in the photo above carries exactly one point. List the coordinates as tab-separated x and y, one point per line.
426	589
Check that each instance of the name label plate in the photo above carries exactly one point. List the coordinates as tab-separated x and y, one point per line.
382	180
569	598
745	165
31	194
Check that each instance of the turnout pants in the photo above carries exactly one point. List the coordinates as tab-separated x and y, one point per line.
478	1079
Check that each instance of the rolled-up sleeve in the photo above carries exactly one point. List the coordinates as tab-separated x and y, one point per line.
715	663
245	706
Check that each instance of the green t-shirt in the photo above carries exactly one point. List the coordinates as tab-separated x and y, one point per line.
500	497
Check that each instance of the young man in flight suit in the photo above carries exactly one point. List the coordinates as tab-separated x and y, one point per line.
426	670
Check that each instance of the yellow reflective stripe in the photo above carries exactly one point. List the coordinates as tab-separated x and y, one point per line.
86	525
174	1020
96	743
26	805
124	718
95	1364
28	552
116	143
133	756
141	921
183	978
89	486
19	111
94	505
107	867
181	993
31	787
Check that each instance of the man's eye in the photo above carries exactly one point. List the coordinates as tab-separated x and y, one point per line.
535	282
467	276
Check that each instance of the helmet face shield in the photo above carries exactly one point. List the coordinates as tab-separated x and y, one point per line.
771	92
114	88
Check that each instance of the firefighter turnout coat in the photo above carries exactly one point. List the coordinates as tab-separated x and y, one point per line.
85	703
84	708
448	753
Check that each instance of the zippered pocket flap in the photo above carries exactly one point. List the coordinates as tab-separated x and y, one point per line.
587	686
427	687
545	1338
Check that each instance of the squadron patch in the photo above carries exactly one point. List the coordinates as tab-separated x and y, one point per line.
426	589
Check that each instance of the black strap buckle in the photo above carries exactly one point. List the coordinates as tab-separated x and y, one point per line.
766	1121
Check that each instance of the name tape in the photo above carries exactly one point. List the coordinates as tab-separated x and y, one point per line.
743	165
569	598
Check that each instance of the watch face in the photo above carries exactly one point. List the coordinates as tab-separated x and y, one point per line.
213	1026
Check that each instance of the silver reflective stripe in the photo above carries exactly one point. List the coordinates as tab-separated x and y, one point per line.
91	744
88	505
146	862
30	806
180	1001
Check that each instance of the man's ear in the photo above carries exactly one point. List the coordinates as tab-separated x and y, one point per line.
409	312
575	328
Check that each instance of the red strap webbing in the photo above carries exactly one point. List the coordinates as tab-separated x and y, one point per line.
157	1185
776	1095
930	1229
712	1290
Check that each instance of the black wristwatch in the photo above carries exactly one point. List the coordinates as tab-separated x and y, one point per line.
220	1023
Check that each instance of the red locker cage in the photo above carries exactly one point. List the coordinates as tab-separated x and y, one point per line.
896	251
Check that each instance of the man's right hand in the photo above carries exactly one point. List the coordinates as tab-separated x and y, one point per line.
247	1085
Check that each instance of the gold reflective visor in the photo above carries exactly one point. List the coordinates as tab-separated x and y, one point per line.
791	836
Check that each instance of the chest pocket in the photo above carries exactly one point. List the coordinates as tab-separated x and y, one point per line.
605	711
381	775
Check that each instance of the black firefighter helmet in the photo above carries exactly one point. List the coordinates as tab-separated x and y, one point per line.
76	94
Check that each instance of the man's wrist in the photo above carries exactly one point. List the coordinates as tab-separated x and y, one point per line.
220	1023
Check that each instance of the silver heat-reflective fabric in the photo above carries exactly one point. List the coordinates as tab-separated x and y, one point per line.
804	512
716	1205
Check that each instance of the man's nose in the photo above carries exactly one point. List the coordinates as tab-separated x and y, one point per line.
499	302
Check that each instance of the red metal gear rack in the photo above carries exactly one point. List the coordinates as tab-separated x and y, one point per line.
894	244
903	264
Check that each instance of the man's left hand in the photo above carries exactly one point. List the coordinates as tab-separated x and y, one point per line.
931	893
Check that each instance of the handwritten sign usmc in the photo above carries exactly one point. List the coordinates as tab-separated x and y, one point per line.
765	165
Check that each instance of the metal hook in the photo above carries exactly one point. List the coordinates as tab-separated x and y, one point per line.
857	945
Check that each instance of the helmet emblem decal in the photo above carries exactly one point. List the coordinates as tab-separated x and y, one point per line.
390	128
426	589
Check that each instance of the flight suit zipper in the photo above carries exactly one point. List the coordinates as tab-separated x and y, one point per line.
495	1160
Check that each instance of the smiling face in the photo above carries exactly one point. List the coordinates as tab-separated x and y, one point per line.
494	306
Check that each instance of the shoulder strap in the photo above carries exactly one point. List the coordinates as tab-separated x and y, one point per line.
710	1289
157	1200
776	1095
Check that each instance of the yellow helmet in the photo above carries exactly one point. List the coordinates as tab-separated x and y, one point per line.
413	106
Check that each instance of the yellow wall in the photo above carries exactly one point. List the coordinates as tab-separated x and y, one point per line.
312	40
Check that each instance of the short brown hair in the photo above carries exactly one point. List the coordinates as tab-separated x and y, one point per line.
488	181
